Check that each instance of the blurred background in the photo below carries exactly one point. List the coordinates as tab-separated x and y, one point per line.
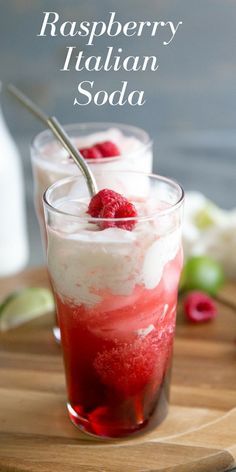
191	100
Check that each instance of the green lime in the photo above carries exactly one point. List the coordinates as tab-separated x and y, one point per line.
21	307
202	273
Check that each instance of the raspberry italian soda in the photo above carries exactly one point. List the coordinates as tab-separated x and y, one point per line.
115	262
105	146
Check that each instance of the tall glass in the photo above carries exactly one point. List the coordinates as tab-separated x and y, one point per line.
116	294
51	162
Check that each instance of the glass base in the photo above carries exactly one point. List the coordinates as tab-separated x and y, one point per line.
100	430
57	334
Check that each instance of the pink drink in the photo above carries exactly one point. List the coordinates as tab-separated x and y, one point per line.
116	293
117	360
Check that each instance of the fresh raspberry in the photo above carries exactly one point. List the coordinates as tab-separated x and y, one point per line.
110	204
118	209
99	150
199	307
91	152
108	149
101	199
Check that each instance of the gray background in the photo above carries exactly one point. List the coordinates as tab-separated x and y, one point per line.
191	99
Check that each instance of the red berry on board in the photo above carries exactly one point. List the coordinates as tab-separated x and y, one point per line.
199	307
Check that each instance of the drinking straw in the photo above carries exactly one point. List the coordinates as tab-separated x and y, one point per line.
53	124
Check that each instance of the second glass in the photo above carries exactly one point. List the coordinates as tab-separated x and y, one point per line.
50	161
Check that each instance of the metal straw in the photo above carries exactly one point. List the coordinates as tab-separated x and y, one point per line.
61	135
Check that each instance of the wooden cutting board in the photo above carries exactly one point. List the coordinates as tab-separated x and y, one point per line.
199	433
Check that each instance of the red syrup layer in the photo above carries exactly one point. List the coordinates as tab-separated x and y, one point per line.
117	355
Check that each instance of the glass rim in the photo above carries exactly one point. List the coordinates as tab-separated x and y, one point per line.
69	127
148	141
90	219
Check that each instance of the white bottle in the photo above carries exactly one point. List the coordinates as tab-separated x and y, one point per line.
13	234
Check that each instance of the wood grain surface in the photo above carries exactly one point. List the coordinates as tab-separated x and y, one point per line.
199	433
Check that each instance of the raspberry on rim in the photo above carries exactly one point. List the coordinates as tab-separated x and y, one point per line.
109	204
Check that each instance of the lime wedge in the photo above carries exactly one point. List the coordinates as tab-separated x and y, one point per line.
21	307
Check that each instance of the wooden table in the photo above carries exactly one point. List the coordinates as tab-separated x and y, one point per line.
199	433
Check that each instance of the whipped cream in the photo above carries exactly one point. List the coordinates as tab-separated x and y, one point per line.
87	263
52	163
